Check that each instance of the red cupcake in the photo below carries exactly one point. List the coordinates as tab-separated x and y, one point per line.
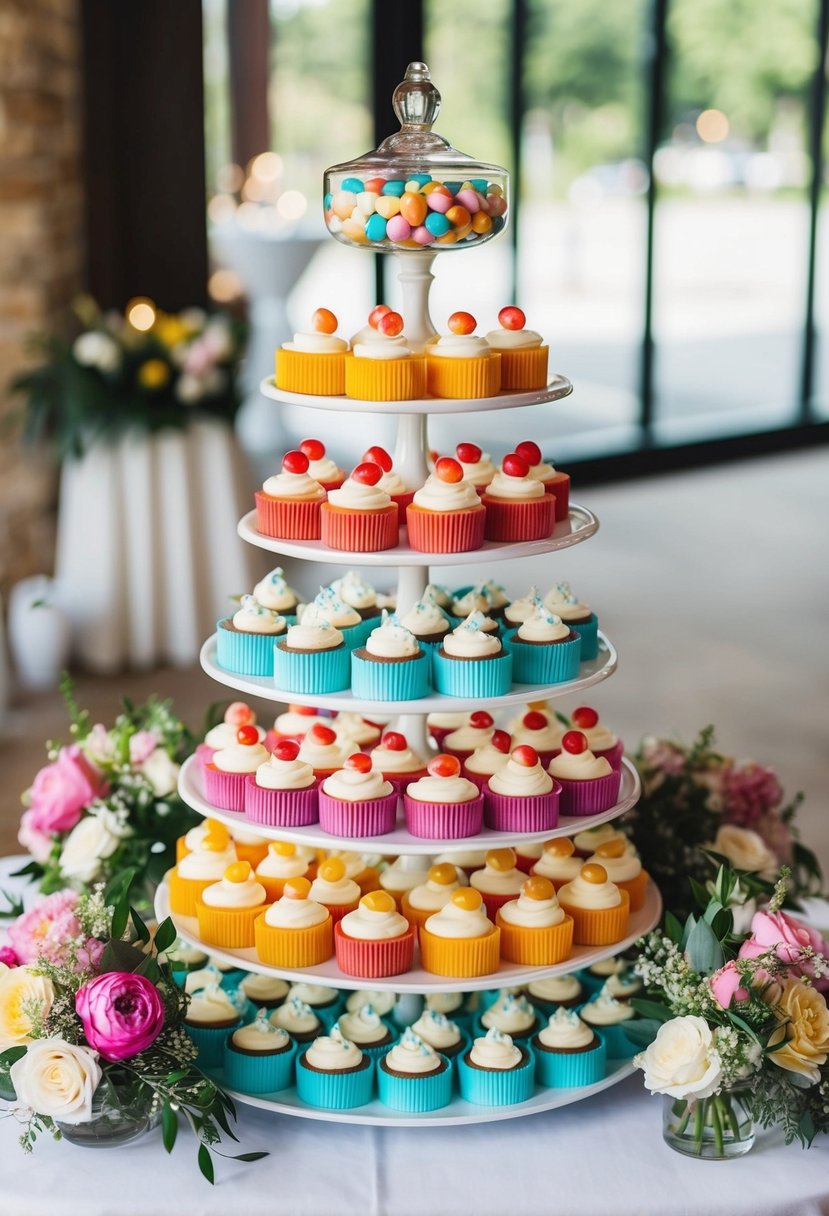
446	514
321	467
391	482
517	508
289	503
360	516
553	481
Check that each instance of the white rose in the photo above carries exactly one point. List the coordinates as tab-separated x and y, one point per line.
682	1060
161	772
89	843
746	851
96	349
57	1079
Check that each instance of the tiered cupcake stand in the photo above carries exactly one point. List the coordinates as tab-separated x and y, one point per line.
413	575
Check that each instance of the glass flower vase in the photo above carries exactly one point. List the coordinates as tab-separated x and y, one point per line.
715	1128
119	1115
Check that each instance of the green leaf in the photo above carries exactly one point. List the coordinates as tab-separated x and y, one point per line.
116	890
651	1009
643	1031
704	952
221	1118
673	928
11	1055
173	1078
121	956
721	924
165	935
32	869
141	930
169	1126
699	892
206	1163
249	1156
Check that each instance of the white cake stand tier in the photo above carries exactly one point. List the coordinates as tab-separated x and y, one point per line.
417	981
400	840
558	388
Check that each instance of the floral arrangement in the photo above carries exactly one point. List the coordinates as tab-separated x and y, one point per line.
108	803
144	368
736	1018
695	800
91	1026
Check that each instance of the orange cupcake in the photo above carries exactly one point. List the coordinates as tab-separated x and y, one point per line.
523	354
460	364
295	931
360	516
460	940
226	910
289	503
624	869
429	897
535	932
446	514
200	868
283	860
381	366
314	362
599	909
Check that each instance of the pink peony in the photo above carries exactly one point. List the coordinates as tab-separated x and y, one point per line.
787	937
45	928
8	956
142	746
122	1014
62	790
727	985
750	792
34	841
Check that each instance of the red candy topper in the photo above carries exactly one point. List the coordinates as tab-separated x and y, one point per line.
247	735
295	462
462	323
390	325
468	453
514	465
501	741
530	451
323	735
324	321
367	474
444	765
585	717
525	755
534	720
379	456
308	710
286	749
359	762
574	742
393	741
481	720
448	469
376	315
511	318
314	449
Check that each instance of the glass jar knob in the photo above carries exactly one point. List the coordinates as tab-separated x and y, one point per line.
416	101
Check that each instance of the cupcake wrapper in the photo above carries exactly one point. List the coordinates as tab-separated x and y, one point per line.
463	378
445	531
293	947
406	681
385	379
205	754
225	791
463	958
320	671
637	889
501	1087
338	911
613	755
246	654
535	947
228	928
254	853
274	887
322	375
359	531
286	520
476	778
522	862
415	916
519	521
210	1040
374	960
415	1093
617	1044
402	501
185	891
589	797
493	903
335	1090
373	817
544	664
589	634
259	1074
563	1070
559	487
598	926
459	753
473	677
281	808
524	370
535	813
443	820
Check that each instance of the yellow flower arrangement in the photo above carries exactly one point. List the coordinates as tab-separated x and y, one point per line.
801	1043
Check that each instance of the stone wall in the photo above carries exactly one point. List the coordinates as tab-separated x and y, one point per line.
41	251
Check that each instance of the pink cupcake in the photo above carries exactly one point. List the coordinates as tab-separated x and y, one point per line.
357	800
487	760
397	762
374	941
499	881
541	732
588	784
439	725
293	724
289	503
360	516
522	797
473	734
446	515
282	793
600	740
391	482
517	509
223	734
325	749
225	777
443	805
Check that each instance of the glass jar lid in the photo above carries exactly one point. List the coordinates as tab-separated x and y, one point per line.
415	191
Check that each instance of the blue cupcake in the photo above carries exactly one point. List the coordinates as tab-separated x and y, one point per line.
273	591
512	1014
326	1003
357	593
481	598
442	1033
334	1074
312	658
496	1072
561	600
391	666
429	623
568	1052
608	1017
330	609
259	1057
472	663
245	641
211	1016
412	1076
364	1026
544	649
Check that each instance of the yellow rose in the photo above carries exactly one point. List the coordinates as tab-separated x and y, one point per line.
153	374
25	998
170	329
806	1028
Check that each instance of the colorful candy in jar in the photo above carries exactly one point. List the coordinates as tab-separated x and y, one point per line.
414	213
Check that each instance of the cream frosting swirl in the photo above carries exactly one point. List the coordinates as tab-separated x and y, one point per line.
442	789
437	495
325	470
579	766
334	893
413	1055
253	617
604	1010
557	867
211	1004
425	618
521	780
353	590
511	1014
532	913
235	893
295	1016
444	1002
583	894
566	1030
329	609
436	1029
521	489
363	1025
478	472
276	774
206	977
373	350
370	926
496	1050
326	755
266	988
440	594
260	1035
454	922
391	640
295	914
590	839
273	592
405	873
619	869
354	727
313	994
486	760
223	734
294	485
357	496
623	985
468	640
560	600
542	626
294	724
599	737
545	739
393	483
276	864
386	760
474	600
493	881
431	896
203	863
556	988
543	471
240	757
333	1053
460	346
351	785
317	344
468	737
513	339
518	610
313	637
381	1002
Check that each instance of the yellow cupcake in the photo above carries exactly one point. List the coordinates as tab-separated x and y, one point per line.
199	869
599	909
313	362
460	940
534	930
226	910
295	931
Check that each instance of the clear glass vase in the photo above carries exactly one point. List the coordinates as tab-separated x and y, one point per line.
714	1128
118	1117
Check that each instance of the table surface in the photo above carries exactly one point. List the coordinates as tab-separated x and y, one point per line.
601	1157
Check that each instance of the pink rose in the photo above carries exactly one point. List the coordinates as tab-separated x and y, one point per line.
46	928
142	746
787	937
727	985
34	841
122	1014
8	956
62	790
750	792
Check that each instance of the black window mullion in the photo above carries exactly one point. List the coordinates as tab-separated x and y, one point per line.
656	56
517	107
817	114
